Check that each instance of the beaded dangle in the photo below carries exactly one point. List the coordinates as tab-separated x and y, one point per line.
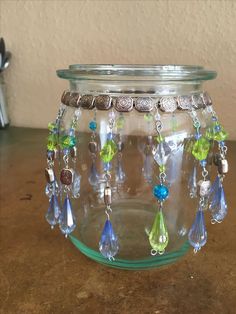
197	235
93	148
52	189
108	244
147	152
218	204
120	174
70	179
158	236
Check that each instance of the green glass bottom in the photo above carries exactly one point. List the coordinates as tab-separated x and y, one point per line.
152	262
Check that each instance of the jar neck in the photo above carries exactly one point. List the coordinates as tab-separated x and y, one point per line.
135	87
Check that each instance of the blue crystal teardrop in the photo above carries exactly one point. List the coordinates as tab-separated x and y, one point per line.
53	213
197	235
67	221
93	177
76	185
218	206
108	244
120	174
192	182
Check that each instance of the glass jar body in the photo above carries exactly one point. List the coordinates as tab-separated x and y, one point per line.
134	172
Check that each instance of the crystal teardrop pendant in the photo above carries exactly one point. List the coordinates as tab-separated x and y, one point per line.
197	235
93	177
120	174
158	236
53	213
147	168
192	182
218	206
67	221
108	244
76	185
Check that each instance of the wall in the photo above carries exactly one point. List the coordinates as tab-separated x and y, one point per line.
46	35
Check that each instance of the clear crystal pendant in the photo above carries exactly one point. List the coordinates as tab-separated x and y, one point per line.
120	174
67	222
53	213
197	235
52	188
192	182
93	177
218	206
108	244
76	185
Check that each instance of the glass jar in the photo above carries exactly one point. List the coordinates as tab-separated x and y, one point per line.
147	91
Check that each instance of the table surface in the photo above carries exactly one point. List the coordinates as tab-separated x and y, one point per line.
42	272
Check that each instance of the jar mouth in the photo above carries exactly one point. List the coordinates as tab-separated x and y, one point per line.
139	72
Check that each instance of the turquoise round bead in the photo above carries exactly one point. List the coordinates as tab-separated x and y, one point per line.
93	125
161	192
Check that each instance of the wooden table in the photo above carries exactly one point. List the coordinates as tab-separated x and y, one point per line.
42	272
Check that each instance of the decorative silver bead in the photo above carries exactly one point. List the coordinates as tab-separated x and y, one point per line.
205	187
49	174
107	196
223	166
144	104
124	104
168	104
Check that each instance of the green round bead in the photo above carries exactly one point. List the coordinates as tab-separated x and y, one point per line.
67	141
108	151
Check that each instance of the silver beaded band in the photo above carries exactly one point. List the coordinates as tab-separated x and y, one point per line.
141	104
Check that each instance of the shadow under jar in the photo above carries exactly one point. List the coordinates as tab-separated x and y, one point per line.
137	108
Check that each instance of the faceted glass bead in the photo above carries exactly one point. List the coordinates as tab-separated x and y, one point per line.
67	222
201	148
158	236
52	126
120	122
76	185
108	244
93	125
162	153
108	151
197	235
67	141
53	213
52	141
216	132
161	192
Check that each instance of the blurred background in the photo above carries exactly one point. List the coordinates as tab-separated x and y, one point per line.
47	35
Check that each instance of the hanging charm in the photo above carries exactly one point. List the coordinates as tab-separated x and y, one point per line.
69	178
120	174
52	188
197	235
158	237
108	244
93	148
218	205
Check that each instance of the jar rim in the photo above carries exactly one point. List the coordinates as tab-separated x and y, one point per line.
138	72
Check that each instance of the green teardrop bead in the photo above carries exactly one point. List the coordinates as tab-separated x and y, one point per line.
67	141
108	151
201	148
158	236
120	122
52	142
